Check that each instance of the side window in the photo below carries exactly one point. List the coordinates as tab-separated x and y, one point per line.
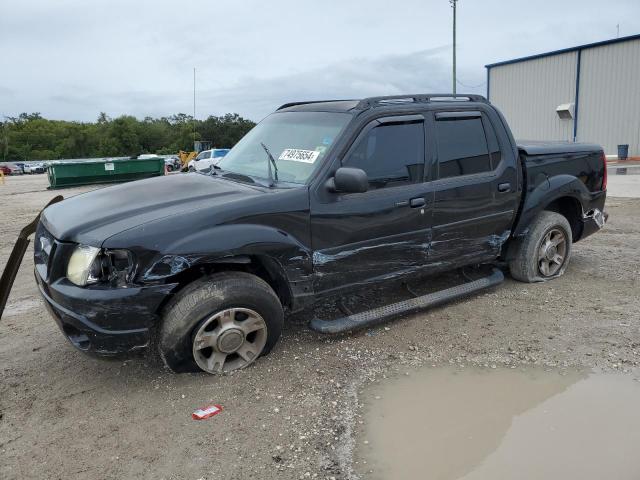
390	154
462	147
202	155
492	141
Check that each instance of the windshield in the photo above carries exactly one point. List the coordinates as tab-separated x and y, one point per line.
298	142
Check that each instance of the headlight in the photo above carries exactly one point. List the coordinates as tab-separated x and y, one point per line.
88	265
84	267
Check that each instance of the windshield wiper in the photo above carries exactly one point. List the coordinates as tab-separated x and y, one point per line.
272	161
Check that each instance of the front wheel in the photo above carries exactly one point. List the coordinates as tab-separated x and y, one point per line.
220	323
544	251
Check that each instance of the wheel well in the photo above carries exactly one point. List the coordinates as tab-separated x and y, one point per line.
571	209
260	266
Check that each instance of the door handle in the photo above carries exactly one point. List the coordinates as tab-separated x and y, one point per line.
504	187
417	202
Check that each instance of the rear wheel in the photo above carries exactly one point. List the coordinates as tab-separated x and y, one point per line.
544	251
220	323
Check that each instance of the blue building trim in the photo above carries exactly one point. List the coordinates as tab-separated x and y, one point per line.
566	50
577	100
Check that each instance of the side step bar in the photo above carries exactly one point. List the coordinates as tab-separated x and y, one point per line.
382	314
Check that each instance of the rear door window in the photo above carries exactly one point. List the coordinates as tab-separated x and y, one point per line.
391	154
462	146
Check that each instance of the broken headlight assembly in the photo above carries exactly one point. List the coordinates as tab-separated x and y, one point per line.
90	265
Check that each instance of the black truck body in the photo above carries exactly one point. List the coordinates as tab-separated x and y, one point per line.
462	193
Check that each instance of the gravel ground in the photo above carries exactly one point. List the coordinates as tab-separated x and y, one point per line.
294	413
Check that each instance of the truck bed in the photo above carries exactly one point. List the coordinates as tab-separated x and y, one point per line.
544	160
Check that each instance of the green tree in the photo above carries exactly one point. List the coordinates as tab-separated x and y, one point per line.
29	136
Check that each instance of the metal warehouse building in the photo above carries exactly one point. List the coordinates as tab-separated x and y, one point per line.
589	93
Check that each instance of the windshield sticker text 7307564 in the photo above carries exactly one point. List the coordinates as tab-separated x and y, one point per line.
297	155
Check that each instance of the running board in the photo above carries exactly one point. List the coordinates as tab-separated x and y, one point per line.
382	314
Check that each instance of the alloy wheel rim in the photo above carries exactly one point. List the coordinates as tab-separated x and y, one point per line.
229	340
552	252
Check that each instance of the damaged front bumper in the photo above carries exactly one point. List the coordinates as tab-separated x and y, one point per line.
104	321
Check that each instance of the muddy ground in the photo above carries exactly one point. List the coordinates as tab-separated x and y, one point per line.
293	414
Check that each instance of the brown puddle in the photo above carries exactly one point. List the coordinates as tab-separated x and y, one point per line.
482	424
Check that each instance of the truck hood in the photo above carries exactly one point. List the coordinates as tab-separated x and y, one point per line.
93	217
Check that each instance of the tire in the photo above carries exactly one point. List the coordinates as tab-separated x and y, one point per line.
228	303
534	251
169	168
191	169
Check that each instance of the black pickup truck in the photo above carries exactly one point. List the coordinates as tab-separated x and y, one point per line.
318	199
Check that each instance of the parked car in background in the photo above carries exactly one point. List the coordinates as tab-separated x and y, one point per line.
172	163
11	169
20	165
206	159
33	167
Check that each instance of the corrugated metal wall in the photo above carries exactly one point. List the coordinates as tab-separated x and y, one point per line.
609	103
528	93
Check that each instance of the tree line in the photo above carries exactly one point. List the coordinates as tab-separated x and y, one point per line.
32	137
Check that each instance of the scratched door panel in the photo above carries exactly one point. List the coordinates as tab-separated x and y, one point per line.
475	193
369	237
361	237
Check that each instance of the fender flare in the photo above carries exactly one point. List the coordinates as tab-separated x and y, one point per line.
546	191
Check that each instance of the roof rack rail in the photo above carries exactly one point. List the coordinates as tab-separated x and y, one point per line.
294	104
418	98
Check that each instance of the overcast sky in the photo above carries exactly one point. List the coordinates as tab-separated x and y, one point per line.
71	59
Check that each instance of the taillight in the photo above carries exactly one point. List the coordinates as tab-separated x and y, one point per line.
604	176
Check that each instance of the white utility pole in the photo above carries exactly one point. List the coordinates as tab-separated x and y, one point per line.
194	108
453	5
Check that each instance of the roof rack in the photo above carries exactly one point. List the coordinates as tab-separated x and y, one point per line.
295	104
419	98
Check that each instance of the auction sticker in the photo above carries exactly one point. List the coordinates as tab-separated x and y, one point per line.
296	155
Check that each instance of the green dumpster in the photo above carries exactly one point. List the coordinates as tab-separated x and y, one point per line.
72	174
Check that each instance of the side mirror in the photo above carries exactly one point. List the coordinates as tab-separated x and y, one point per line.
349	180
